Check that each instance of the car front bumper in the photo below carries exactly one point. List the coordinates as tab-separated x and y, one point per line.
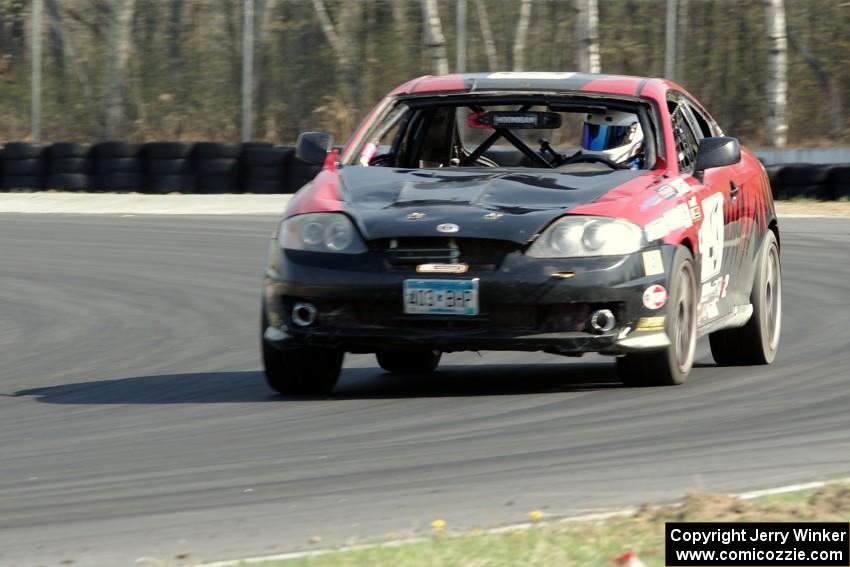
525	304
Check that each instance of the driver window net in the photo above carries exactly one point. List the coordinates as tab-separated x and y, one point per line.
686	144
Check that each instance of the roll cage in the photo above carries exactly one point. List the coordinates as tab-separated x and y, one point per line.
406	113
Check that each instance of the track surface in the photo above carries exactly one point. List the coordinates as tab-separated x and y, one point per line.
134	420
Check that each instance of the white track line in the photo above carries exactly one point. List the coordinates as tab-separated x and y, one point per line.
595	517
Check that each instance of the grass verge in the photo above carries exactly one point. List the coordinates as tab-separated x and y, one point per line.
590	543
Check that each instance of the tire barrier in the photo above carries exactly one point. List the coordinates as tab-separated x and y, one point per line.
264	169
257	167
118	166
825	182
23	166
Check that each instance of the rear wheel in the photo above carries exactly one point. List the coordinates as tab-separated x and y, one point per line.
673	364
758	340
409	361
306	370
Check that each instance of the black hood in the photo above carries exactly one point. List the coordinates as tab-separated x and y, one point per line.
383	200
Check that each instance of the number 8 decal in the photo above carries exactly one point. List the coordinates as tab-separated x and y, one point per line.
711	236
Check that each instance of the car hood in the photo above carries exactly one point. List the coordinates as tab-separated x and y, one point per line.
500	204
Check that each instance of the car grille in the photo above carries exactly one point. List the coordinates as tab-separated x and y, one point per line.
404	254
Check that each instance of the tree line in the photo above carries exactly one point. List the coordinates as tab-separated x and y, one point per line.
144	70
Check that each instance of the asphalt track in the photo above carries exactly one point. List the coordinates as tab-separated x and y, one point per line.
134	421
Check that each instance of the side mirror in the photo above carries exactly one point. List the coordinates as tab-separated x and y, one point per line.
717	152
313	147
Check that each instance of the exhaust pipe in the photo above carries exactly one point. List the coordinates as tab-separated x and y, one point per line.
602	320
304	314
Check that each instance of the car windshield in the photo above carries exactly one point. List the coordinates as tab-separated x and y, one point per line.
479	132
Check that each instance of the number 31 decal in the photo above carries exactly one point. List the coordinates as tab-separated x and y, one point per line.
711	236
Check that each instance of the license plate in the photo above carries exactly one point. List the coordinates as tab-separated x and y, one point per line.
441	297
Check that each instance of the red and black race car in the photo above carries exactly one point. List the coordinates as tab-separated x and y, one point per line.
557	212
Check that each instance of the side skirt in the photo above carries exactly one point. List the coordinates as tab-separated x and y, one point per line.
737	318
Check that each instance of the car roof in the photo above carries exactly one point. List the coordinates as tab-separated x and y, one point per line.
538	81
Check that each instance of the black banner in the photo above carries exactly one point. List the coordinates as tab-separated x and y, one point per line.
757	544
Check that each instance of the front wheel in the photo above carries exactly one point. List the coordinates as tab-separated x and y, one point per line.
672	365
758	340
306	370
409	361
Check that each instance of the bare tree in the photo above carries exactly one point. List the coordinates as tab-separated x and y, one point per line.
521	34
340	49
487	36
175	29
119	55
777	73
587	35
435	41
835	106
342	46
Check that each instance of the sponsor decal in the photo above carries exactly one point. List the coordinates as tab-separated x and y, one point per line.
693	206
724	283
654	200
707	312
656	229
711	237
678	217
667	192
654	297
442	268
650	323
652	263
714	290
680	186
448	227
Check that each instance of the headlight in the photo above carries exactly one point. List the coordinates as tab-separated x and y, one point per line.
573	237
321	232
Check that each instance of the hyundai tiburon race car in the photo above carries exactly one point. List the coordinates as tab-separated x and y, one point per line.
557	212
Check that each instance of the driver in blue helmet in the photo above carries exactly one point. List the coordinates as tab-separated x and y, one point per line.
615	134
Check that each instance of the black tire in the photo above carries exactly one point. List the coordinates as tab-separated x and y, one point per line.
217	150
804	174
758	341
267	172
840	175
176	166
299	175
65	150
168	150
218	166
250	185
120	182
409	361
30	167
21	150
672	365
69	181
116	150
172	183
307	370
69	165
840	191
312	371
803	191
22	182
218	184
110	165
262	156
